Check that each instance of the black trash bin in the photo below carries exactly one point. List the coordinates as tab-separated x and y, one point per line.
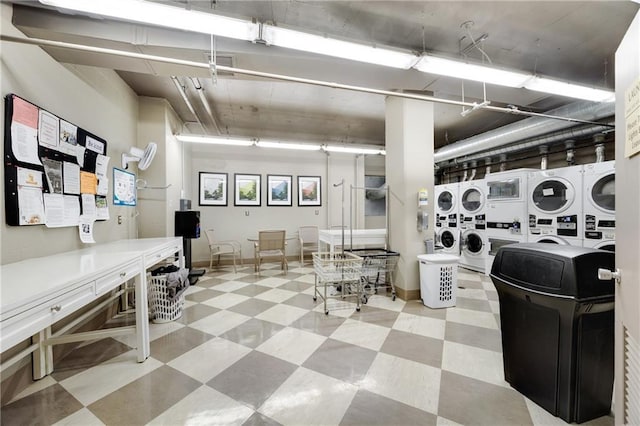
557	321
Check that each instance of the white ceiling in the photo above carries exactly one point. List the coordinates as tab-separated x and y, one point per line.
566	40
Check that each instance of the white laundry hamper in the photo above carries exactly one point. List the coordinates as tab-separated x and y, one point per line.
438	279
163	308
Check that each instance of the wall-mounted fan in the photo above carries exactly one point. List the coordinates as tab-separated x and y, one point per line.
143	157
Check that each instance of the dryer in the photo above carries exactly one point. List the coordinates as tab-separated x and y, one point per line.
599	205
555	206
507	220
473	232
447	233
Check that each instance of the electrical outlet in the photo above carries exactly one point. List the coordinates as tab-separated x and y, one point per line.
119	220
317	212
246	212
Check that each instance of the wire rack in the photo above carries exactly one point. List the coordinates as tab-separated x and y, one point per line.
377	271
340	270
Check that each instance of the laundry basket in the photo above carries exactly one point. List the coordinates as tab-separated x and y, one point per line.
438	279
165	302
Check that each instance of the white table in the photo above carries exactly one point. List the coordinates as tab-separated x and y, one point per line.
361	237
38	292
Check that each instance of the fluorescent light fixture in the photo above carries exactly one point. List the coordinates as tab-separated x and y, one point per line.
467	71
214	140
354	150
297	40
288	145
547	85
147	12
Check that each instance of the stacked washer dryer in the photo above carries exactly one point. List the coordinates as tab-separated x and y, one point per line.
600	205
447	234
473	233
507	220
555	206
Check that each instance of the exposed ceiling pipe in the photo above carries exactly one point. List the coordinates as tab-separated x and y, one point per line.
474	164
333	85
599	140
464	176
544	150
503	162
571	158
487	163
548	139
525	129
186	100
205	103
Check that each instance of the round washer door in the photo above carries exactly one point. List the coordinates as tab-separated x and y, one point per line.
553	195
447	239
445	201
549	239
607	245
473	243
603	193
472	200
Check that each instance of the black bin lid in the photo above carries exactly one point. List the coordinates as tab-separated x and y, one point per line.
555	269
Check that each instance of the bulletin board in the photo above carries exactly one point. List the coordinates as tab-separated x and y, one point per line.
55	172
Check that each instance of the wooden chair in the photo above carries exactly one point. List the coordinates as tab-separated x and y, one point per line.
308	238
271	244
223	248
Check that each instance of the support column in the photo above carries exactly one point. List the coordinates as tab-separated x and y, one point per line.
409	168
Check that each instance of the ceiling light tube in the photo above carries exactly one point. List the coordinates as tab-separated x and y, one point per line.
214	140
468	71
288	145
547	85
291	39
354	150
147	12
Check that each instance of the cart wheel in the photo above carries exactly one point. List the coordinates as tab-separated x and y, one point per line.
393	297
326	312
365	299
315	298
358	309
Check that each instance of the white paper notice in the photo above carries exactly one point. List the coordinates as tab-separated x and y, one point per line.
547	192
48	130
85	228
24	143
94	145
88	205
102	162
71	210
54	210
102	209
68	138
28	177
79	153
71	176
103	187
30	205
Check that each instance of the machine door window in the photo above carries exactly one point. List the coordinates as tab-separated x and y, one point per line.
603	193
445	201
551	196
447	239
508	189
472	200
474	243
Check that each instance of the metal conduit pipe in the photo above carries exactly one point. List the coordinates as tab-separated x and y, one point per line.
599	140
544	150
571	158
503	162
549	139
525	129
187	102
474	164
487	163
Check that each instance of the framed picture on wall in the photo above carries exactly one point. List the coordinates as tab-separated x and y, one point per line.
213	189
247	191
278	190
309	191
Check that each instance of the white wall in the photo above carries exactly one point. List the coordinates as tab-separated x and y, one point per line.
240	222
92	98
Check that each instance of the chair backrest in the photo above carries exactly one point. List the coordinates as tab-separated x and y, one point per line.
271	240
308	234
209	234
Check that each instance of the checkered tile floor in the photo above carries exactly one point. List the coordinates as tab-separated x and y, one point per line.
258	350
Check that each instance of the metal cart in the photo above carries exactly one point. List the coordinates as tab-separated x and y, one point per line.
377	271
342	270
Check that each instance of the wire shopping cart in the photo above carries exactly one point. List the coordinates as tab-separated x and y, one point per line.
342	270
377	271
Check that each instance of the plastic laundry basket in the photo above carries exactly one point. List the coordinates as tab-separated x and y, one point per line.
438	279
162	308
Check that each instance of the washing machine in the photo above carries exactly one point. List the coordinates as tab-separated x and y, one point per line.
506	212
599	205
473	226
555	206
447	233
